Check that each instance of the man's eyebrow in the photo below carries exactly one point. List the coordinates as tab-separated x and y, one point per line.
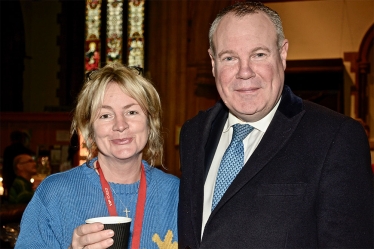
225	52
253	51
260	48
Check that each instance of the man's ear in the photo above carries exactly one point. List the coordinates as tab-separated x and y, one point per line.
210	52
18	167
283	53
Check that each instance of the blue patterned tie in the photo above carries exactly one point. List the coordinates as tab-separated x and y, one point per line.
232	162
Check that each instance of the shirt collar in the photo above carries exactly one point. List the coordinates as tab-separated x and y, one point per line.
260	125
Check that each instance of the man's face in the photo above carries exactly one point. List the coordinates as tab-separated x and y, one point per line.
248	66
27	164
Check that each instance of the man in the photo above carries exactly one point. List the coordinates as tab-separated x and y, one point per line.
19	145
22	189
305	179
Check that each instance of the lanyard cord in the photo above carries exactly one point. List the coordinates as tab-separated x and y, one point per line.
139	215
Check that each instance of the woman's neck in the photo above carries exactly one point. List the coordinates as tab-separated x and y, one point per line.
120	171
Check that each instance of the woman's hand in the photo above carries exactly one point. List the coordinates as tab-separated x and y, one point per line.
91	236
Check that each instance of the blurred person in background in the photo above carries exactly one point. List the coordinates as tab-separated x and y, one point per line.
19	145
22	189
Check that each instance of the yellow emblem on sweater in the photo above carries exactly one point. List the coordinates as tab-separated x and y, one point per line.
167	242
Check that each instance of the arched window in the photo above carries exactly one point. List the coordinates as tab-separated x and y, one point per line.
106	38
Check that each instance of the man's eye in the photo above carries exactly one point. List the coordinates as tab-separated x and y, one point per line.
259	55
228	59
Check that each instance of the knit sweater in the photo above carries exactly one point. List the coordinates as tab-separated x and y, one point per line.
63	201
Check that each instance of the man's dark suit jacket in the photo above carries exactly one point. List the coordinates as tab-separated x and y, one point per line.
308	184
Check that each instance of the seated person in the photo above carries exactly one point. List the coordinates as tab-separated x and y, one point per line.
22	189
20	141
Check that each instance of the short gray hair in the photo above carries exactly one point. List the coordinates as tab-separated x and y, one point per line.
241	9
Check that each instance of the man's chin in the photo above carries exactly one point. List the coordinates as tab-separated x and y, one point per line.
247	115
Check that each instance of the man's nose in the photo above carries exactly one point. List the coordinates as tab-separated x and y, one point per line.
245	70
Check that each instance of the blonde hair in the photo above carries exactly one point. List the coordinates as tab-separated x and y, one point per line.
133	84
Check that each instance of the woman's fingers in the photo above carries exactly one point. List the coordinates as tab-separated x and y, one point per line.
88	228
92	236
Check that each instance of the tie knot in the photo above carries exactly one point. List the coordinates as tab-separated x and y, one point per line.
241	131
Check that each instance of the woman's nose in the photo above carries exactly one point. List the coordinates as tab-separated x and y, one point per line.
120	124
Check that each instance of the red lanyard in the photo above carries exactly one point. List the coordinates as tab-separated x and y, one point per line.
109	200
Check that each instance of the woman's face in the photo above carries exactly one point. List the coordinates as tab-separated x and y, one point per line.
120	129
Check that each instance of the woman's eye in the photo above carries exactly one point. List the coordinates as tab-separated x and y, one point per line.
104	116
132	112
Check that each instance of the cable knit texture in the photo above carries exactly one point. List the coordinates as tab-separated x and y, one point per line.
65	200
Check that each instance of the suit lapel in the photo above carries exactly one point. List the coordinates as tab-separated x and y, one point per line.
284	123
214	136
209	125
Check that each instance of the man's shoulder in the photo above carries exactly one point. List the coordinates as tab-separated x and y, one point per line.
204	115
317	117
18	183
322	112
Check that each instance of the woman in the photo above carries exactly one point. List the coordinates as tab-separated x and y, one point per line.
118	115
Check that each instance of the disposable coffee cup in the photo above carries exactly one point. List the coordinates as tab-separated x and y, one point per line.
121	227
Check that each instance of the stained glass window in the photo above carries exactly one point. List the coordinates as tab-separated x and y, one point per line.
92	45
136	33
114	31
114	40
